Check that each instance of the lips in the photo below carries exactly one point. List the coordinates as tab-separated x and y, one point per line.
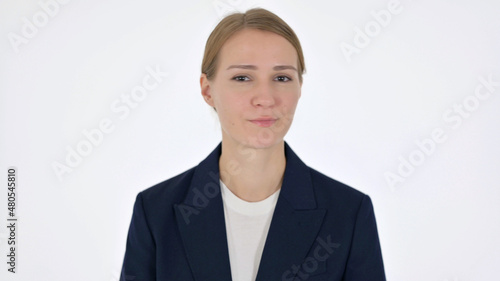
264	121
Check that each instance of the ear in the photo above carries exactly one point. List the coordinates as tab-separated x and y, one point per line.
206	90
300	89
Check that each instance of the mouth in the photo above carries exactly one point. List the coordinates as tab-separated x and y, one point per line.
264	122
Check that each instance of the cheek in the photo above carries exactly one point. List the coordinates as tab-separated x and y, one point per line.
288	108
230	107
231	104
290	100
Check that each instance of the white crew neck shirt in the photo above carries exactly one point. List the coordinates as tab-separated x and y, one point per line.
247	225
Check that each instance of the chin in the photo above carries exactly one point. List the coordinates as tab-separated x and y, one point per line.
264	140
258	139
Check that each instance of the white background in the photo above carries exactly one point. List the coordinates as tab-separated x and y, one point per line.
356	122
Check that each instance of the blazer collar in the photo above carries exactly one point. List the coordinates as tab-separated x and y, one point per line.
294	226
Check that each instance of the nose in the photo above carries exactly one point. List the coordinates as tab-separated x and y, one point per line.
264	95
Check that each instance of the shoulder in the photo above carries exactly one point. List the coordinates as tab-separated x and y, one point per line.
328	192
331	193
170	191
346	207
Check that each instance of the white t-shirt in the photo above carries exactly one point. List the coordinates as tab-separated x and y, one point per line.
247	224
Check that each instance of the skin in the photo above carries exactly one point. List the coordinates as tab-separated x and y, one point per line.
256	77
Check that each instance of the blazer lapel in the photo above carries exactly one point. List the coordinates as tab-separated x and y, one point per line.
200	219
295	224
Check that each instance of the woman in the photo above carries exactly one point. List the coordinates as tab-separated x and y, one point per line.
252	210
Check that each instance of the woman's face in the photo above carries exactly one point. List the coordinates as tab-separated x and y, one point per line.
255	89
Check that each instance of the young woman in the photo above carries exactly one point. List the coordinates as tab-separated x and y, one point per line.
252	210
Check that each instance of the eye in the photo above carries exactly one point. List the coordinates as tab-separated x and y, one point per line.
241	78
283	78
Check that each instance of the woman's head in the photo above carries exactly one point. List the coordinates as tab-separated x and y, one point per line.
252	76
252	19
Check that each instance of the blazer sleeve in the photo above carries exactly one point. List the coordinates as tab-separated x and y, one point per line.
139	261
365	257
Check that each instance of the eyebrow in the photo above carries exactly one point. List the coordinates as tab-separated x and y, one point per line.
253	67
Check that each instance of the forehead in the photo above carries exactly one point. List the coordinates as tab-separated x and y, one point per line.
253	46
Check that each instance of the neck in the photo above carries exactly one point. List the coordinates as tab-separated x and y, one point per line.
252	174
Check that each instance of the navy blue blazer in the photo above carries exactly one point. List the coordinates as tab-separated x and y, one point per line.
321	230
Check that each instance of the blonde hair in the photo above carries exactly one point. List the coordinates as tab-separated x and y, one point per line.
256	18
